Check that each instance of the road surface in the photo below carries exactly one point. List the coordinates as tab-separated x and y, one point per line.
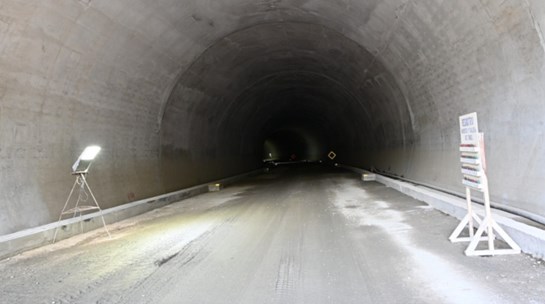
295	235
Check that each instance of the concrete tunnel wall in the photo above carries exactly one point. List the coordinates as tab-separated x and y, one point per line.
183	92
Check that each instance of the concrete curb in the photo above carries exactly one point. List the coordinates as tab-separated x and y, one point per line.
530	239
12	244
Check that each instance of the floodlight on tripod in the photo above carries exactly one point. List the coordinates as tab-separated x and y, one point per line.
85	160
80	168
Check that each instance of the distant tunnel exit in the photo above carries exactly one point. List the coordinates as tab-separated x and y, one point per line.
294	143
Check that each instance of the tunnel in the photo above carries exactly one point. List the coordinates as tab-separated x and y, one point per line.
180	93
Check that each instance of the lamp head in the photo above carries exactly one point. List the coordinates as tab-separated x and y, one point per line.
90	153
84	161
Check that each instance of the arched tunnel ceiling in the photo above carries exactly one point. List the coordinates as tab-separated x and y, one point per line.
277	70
182	92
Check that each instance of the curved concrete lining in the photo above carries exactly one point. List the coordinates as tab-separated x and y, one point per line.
183	92
258	80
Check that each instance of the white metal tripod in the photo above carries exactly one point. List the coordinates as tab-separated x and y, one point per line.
78	208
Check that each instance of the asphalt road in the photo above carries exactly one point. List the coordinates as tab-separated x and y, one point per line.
295	235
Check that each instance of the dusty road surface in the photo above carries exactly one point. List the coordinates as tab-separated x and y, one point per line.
297	235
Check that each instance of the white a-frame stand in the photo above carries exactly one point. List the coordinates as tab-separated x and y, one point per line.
79	208
474	172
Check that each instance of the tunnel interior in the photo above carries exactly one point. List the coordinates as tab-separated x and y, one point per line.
180	93
299	87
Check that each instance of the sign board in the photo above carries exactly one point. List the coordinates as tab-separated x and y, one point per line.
332	155
474	178
469	128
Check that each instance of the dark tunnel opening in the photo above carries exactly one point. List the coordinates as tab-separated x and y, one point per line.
303	89
294	144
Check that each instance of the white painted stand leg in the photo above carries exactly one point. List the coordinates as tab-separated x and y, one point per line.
469	220
490	225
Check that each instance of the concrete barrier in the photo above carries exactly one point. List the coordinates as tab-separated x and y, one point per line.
531	239
14	243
